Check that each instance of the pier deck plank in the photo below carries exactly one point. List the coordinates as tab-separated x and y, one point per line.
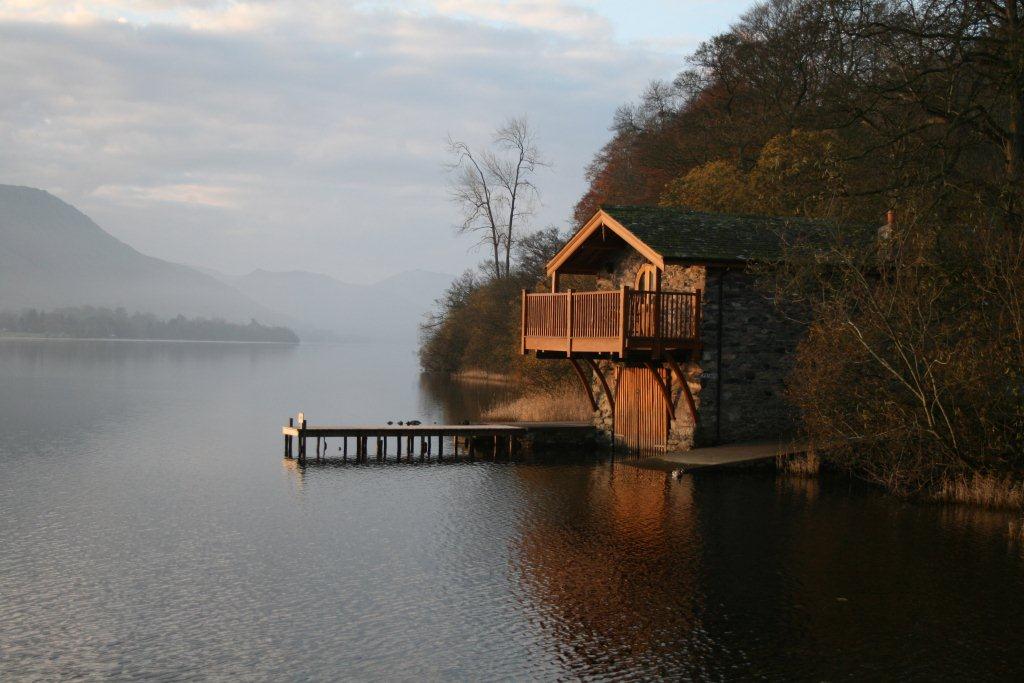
484	429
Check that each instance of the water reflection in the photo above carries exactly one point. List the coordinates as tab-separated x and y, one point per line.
460	400
607	567
150	529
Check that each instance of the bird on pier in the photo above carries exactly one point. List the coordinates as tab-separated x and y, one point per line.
400	423
413	422
390	423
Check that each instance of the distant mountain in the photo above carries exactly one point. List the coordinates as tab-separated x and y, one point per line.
390	309
421	287
52	255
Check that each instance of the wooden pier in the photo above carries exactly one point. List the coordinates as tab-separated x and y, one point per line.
363	443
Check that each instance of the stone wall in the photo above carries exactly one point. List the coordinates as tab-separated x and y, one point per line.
758	346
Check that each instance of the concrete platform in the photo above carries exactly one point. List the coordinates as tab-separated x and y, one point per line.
725	455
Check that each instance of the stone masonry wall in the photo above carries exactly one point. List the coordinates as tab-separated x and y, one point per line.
758	347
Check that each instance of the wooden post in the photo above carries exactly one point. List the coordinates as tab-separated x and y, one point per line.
522	324
568	326
344	448
657	316
511	445
696	316
554	282
440	447
624	303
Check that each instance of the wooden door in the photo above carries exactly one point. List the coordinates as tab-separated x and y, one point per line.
641	416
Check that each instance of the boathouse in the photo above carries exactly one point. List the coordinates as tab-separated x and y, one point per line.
676	345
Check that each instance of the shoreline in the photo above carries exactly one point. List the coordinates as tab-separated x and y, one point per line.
8	337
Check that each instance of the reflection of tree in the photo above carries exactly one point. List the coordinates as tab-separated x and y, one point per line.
608	571
454	401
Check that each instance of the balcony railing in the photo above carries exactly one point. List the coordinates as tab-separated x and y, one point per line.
610	322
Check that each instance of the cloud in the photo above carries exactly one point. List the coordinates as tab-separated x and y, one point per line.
217	121
181	193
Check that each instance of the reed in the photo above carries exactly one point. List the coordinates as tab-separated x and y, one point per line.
562	403
483	377
989	490
805	464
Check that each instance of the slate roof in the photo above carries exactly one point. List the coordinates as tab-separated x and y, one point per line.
692	235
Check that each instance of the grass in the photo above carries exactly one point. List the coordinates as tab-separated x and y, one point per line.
565	403
988	490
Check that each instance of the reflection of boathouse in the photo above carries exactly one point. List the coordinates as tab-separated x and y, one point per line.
683	347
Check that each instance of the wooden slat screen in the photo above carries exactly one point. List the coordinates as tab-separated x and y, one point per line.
595	314
547	315
676	314
641	415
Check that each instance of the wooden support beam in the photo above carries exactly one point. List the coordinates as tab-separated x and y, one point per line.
686	386
585	381
604	383
663	387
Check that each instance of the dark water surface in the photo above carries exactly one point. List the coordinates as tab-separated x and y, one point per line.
150	528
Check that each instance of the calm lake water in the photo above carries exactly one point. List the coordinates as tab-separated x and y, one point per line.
149	528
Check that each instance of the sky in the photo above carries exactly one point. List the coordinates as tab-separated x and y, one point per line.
311	134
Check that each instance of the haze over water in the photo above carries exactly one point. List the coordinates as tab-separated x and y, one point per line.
150	528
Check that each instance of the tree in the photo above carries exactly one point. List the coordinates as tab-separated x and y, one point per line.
494	188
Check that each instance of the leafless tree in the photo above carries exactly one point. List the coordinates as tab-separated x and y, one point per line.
494	188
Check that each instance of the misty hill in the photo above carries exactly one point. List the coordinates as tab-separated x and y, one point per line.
53	256
391	308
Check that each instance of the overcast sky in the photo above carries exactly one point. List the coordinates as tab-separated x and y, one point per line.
310	134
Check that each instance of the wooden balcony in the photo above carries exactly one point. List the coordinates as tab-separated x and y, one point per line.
615	323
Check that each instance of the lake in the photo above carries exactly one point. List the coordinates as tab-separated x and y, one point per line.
150	528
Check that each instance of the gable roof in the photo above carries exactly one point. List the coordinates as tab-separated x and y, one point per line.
661	233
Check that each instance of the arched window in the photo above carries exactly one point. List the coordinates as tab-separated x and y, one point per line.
647	279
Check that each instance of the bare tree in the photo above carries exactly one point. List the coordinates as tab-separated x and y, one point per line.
494	188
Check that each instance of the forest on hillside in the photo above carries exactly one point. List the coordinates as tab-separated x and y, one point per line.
844	110
88	322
